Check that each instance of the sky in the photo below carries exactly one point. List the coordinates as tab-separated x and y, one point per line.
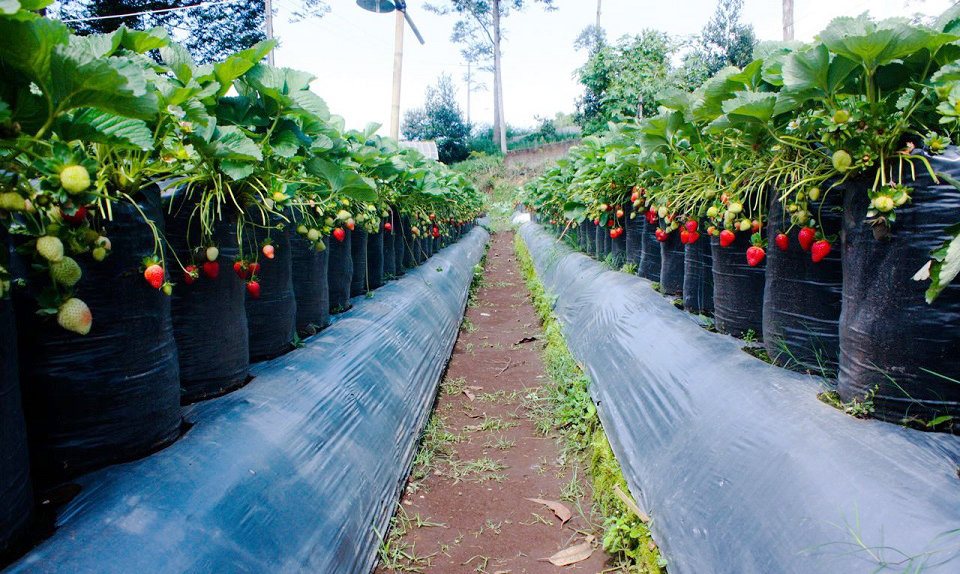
351	50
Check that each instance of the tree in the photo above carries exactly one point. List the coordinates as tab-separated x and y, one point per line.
440	120
210	32
478	26
725	41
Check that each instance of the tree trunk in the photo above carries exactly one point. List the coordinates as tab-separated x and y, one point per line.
499	125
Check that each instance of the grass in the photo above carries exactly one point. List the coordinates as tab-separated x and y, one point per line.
564	407
396	554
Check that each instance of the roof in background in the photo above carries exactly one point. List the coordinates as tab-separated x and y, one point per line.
427	148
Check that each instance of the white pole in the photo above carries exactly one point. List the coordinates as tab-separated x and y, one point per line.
268	26
397	65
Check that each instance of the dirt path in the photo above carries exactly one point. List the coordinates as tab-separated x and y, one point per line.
465	507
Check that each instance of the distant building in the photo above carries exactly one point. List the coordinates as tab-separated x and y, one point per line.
427	148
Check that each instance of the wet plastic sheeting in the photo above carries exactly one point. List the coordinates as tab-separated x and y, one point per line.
890	338
698	276
649	253
737	288
358	285
114	393
339	271
16	496
310	285
272	317
297	471
740	466
671	264
802	299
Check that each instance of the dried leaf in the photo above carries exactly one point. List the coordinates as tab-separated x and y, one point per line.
631	505
562	512
470	395
525	340
572	555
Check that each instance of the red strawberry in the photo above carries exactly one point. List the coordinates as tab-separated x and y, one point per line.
240	268
339	234
620	214
755	255
432	216
693	237
436	231
652	216
76	217
211	269
351	224
684	236
596	222
806	237
154	276
388	226
190	274
253	288
820	249
691	225
712	230
253	269
268	251
660	234
755	226
726	238
782	241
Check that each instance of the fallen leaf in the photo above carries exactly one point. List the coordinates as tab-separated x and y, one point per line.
469	394
525	339
562	512
572	555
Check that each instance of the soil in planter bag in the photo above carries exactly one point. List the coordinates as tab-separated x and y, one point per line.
633	236
375	258
16	496
737	288
339	271
698	276
649	254
113	394
209	316
310	285
802	299
671	264
272	317
891	340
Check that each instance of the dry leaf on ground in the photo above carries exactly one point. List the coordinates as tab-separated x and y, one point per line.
562	512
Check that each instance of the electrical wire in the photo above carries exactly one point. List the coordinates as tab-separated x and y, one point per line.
145	12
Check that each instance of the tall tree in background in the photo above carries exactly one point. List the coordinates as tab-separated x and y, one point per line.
440	120
210	32
725	41
478	24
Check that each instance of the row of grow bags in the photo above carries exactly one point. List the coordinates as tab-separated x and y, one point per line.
857	314
740	467
115	394
297	471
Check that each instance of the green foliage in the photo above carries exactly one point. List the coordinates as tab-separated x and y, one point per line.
440	120
725	41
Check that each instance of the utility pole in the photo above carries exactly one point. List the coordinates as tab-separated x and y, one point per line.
268	26
598	16
397	65
499	124
788	19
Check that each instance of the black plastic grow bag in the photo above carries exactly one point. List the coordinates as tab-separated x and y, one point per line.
272	317
617	249
358	250
698	276
310	285
741	468
598	233
891	341
633	236
649	253
399	246
802	299
737	288
590	238
296	472
375	260
114	393
209	317
339	271
671	264
389	239
16	495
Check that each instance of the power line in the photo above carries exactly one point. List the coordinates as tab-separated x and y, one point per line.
145	12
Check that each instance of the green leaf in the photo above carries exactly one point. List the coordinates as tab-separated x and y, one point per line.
114	84
814	71
35	5
751	106
95	45
230	143
285	143
343	181
96	126
310	103
9	6
141	41
28	46
236	170
871	44
945	266
179	60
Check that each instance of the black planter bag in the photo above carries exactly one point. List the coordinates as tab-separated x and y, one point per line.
737	288
589	238
389	239
209	315
310	285
113	394
16	495
802	299
598	243
409	245
633	236
618	249
272	317
607	241
671	264
375	258
890	338
649	253
581	238
698	276
358	250
339	271
399	247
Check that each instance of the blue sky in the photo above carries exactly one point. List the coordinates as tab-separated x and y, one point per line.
350	50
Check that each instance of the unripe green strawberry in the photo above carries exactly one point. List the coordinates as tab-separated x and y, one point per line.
50	248
66	271
212	253
74	315
75	179
12	201
841	160
319	246
841	116
302	229
712	212
313	235
343	215
883	203
814	193
99	253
